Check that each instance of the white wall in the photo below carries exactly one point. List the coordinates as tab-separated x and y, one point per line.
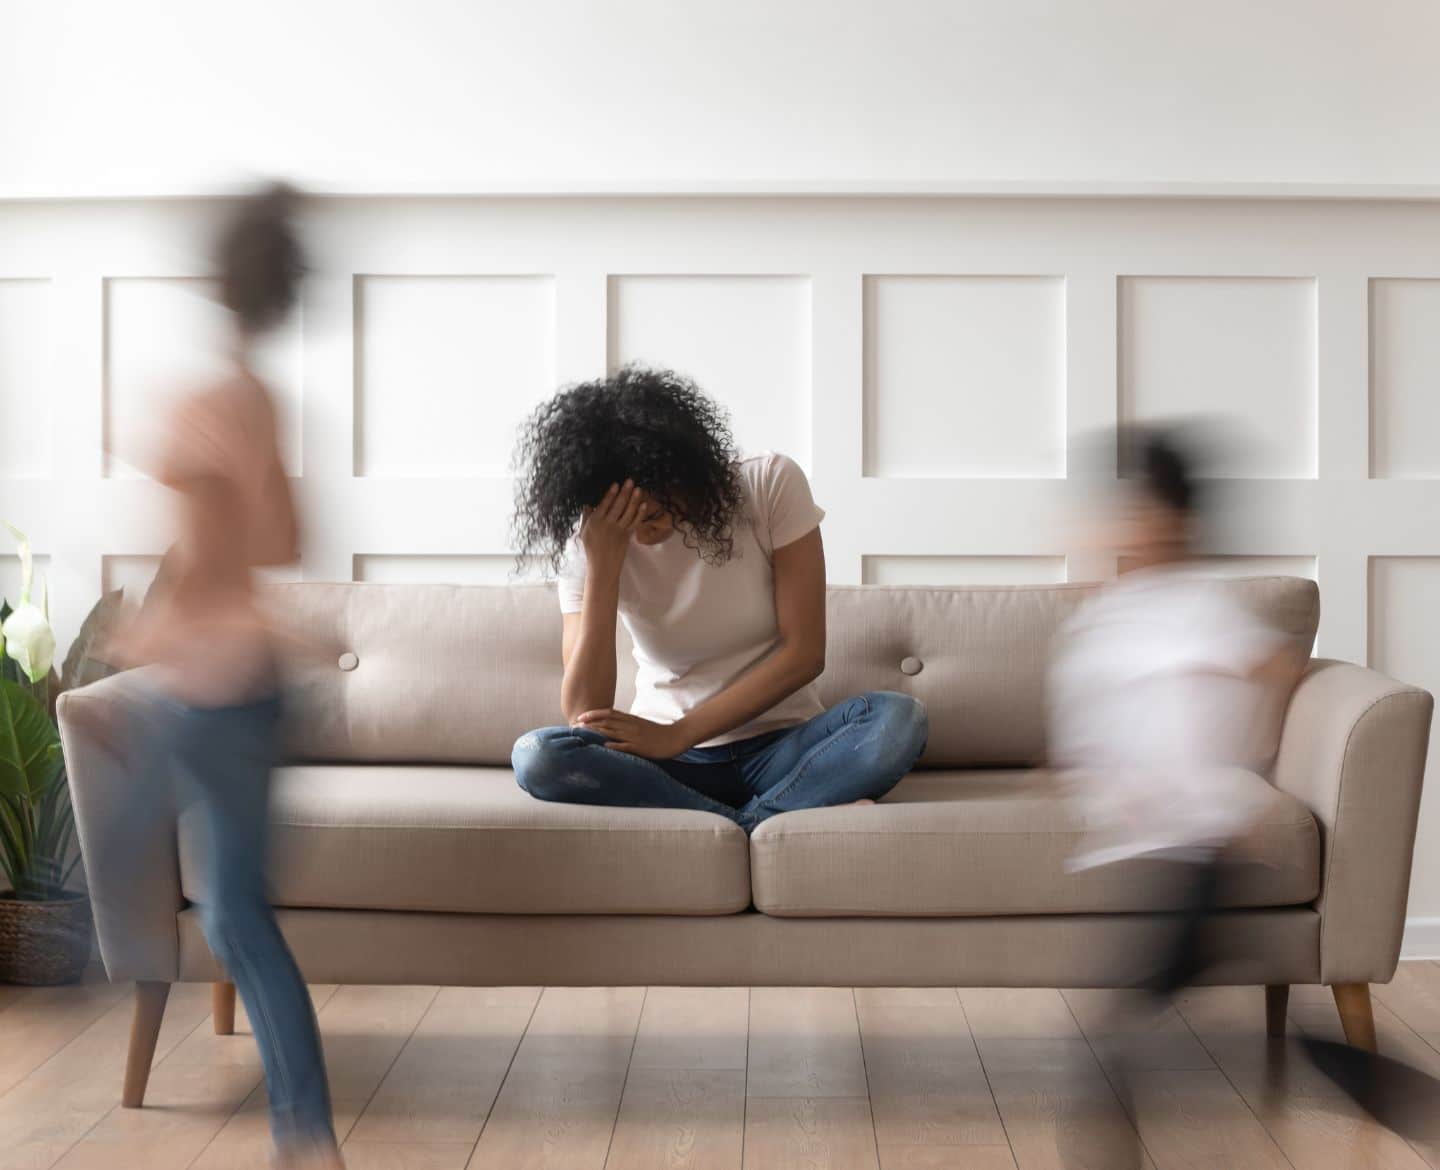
153	96
937	364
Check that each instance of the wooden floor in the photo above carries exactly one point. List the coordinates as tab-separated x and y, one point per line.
431	1078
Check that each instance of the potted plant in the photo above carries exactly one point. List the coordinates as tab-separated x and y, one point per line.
44	927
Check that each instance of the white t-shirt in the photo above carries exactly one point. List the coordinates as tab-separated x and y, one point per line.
1153	710
697	627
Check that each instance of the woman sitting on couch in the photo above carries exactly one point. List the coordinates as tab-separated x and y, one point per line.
714	564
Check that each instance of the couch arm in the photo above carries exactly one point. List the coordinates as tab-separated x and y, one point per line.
125	820
1352	749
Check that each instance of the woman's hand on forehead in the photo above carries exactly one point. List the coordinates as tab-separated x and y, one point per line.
606	529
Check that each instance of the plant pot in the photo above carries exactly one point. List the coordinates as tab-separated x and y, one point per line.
44	943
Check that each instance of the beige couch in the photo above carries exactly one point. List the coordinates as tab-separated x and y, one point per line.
405	853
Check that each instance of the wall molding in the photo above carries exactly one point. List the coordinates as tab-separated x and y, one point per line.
1421	939
102	190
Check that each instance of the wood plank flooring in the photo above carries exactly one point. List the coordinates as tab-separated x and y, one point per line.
667	1078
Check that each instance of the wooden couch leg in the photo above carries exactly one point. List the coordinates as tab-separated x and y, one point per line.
222	1008
1277	1000
144	1031
1356	1016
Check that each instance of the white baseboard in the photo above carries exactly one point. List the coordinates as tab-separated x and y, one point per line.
1422	939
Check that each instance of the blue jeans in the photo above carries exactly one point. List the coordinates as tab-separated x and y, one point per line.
221	759
860	748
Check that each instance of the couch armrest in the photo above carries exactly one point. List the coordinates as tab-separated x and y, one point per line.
1353	750
126	823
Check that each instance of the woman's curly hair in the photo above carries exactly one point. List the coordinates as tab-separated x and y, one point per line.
653	426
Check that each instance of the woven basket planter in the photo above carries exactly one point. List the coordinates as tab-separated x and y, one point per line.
44	943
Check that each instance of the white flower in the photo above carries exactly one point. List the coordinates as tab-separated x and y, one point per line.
26	635
30	641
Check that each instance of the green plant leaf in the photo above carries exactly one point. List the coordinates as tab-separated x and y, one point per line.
82	666
35	809
14	842
29	744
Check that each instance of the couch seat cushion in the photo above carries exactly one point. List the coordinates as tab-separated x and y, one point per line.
962	843
467	839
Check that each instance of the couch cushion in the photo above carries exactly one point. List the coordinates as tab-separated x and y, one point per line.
950	843
468	839
450	674
977	656
436	674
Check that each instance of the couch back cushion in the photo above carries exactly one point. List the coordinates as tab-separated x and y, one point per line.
445	674
979	655
454	674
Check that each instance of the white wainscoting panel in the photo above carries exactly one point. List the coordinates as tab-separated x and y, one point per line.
939	365
26	386
1405	379
1230	566
745	339
468	569
135	574
964	376
446	369
1405	643
167	334
130	573
1239	566
10	575
947	570
1240	348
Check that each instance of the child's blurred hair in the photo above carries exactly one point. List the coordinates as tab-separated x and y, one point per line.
260	258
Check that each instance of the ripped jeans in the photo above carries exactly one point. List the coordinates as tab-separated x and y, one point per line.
858	749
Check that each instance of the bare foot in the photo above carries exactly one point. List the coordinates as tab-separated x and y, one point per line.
863	800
